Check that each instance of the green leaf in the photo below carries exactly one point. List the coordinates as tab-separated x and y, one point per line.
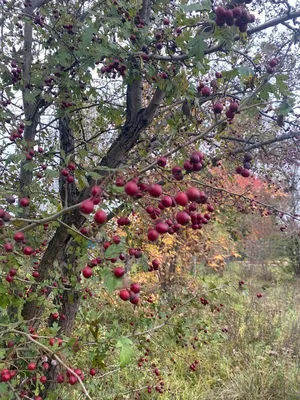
63	58
52	173
286	106
114	250
245	72
281	83
197	47
3	388
205	5
82	182
87	36
98	359
267	89
95	175
111	282
71	342
126	351
230	74
144	263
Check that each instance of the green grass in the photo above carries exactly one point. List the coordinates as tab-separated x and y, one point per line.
257	359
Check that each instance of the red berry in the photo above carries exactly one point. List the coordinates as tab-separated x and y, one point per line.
245	173
96	191
237	12
116	239
106	245
119	272
155	264
87	207
161	227
124	294
181	198
93	371
210	208
31	366
60	378
9	278
218	108
70	178
155	190
5	377
134	299
19	236
162	161
135	287
220	12
87	272
24	202
206	91
188	166
65	172
183	218
72	380
233	106
8	247
119	182
71	166
28	251
131	188
176	170
193	193
152	235
167	201
273	63
100	217
84	230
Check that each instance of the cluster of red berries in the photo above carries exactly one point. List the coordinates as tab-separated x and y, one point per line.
192	195
17	134
244	171
154	265
204	301
39	19
56	14
194	365
67	172
116	68
237	16
194	164
4	216
16	72
53	341
272	65
131	294
68	28
6	375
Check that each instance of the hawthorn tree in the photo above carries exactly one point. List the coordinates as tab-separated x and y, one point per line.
109	110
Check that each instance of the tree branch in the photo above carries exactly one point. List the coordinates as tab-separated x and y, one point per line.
259	28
